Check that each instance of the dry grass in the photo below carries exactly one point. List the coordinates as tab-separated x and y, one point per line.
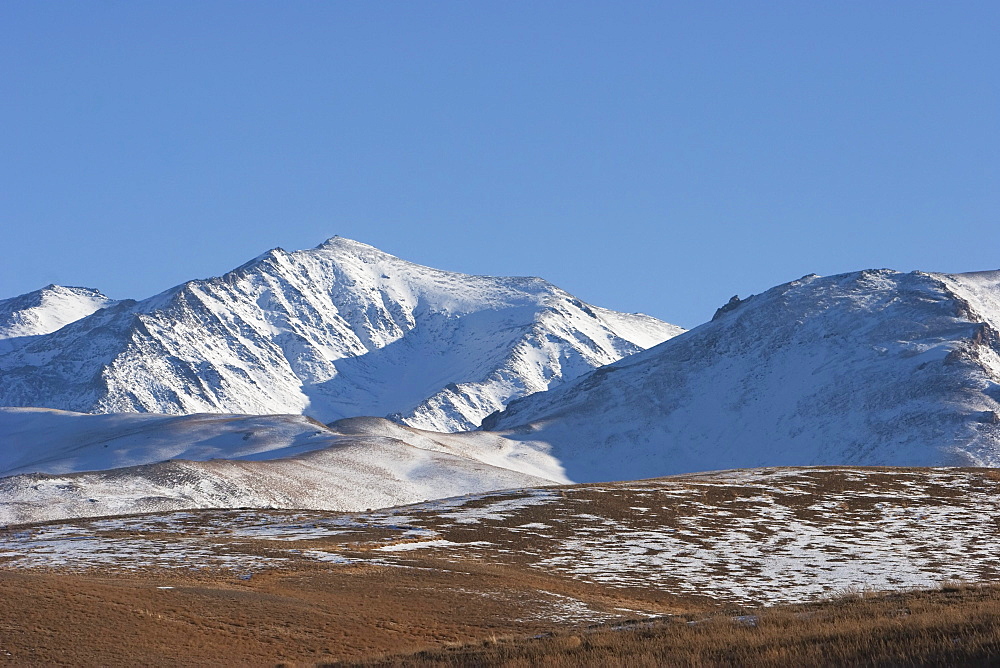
956	625
299	617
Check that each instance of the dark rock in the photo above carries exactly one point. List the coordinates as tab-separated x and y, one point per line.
733	302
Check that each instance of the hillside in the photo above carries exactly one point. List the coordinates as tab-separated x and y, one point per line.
58	465
869	368
775	535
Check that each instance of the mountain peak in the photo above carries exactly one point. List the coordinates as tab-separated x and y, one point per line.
54	288
343	249
47	309
342	329
338	242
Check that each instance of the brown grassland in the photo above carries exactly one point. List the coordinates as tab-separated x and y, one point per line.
956	625
395	619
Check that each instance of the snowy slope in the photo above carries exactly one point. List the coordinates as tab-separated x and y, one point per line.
339	330
44	440
875	367
44	311
52	441
51	463
354	476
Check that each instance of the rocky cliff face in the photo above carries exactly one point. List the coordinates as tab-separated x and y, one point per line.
335	331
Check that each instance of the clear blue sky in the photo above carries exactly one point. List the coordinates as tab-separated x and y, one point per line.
654	157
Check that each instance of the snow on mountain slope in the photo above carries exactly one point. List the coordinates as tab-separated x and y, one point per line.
524	457
979	296
355	476
58	465
44	311
339	330
43	440
875	367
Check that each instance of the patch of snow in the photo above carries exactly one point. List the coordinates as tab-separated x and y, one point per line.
407	547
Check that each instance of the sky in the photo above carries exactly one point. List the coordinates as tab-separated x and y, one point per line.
653	157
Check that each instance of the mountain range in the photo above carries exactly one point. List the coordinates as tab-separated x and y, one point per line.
247	389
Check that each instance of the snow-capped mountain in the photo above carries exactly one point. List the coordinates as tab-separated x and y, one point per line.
44	311
871	368
336	331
